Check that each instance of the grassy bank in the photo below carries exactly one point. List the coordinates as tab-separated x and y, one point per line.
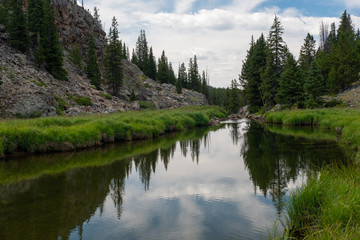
35	166
71	133
328	206
342	120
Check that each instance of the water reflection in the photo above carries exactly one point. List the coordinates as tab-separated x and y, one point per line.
191	185
275	160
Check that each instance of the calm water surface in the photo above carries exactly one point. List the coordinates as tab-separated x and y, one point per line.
225	184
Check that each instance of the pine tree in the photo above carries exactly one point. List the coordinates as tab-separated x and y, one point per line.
112	59
182	75
332	37
346	59
332	81
245	69
270	83
253	69
163	69
124	51
204	84
178	86
152	65
234	98
277	46
50	51
193	75
142	52
75	56
313	86
17	26
171	78
307	53
276	58
134	59
4	12
290	86
35	12
96	15
92	67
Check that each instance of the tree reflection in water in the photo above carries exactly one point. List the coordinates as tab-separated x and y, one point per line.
70	198
274	160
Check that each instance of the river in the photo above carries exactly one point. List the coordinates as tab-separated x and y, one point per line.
228	183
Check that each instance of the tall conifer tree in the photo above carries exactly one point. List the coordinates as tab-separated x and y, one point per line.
307	53
112	59
313	86
17	26
50	51
163	69
182	75
277	45
253	69
152	65
92	67
291	85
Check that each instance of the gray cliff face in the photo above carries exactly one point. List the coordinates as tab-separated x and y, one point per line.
27	90
75	25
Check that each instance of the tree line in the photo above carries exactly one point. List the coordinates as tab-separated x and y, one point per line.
32	29
271	75
163	72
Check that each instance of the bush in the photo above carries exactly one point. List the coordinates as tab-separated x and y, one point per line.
83	101
106	95
147	105
132	96
333	103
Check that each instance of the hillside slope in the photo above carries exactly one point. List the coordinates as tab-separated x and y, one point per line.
29	91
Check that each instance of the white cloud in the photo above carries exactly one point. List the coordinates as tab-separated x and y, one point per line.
183	6
219	37
352	4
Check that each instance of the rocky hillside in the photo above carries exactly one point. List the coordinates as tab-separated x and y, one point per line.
75	25
351	96
28	91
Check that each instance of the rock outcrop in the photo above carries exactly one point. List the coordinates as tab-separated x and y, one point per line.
76	25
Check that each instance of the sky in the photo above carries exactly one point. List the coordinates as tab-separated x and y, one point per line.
218	31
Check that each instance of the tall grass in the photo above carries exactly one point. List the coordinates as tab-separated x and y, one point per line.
69	133
34	166
328	206
343	120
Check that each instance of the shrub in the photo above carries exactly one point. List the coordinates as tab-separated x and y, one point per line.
83	101
106	95
333	103
147	105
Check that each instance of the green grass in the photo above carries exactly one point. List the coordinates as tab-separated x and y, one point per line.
337	119
70	133
328	206
34	166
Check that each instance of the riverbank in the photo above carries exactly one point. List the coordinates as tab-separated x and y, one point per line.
328	206
59	134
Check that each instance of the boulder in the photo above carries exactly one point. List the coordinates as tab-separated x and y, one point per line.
244	112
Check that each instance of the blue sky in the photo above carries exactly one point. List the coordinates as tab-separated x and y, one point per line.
218	32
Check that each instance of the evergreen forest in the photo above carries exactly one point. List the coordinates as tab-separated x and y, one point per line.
271	75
